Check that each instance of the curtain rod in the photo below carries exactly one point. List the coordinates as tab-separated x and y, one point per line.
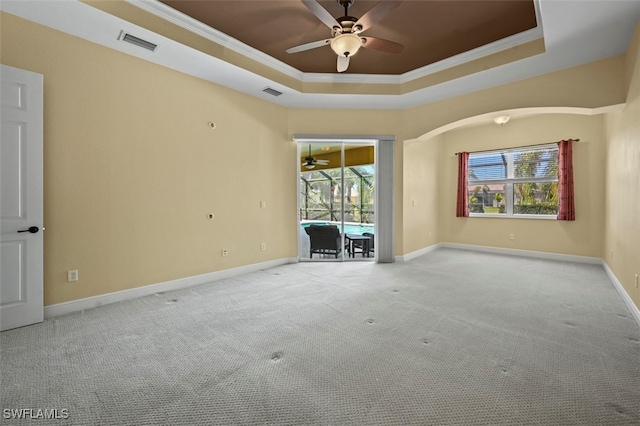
517	147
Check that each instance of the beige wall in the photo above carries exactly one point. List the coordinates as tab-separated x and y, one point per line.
132	169
593	85
622	217
421	189
569	88
582	237
358	122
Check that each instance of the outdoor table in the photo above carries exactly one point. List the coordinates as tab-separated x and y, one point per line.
360	238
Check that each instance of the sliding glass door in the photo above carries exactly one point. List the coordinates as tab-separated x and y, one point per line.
336	200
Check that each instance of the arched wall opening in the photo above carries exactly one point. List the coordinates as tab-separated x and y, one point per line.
430	177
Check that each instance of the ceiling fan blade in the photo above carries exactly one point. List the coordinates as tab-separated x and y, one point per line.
322	162
343	63
309	46
381	44
377	13
321	13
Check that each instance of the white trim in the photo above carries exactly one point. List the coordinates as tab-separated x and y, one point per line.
526	253
407	257
118	296
351	139
519	112
384	166
190	24
178	18
565	42
475	54
515	149
515	216
635	312
299	227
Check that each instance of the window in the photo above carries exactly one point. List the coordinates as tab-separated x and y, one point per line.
321	193
514	182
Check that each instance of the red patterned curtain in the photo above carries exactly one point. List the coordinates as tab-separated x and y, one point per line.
566	206
462	208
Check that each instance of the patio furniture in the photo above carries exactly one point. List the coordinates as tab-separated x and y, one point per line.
324	239
359	243
372	239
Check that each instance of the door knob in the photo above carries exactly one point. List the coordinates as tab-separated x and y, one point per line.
32	229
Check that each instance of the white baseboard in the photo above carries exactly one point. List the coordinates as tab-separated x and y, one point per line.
525	253
105	299
635	312
417	253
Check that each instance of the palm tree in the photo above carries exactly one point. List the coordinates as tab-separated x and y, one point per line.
485	195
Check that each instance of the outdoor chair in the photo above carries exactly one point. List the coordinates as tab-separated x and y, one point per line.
324	239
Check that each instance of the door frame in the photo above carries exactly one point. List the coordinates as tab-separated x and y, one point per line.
384	211
25	88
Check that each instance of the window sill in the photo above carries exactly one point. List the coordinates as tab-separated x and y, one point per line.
518	216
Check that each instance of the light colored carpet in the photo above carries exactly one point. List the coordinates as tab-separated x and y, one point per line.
451	338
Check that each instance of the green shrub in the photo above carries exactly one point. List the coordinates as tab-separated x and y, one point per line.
542	208
476	208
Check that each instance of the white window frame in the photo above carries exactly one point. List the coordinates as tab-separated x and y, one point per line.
509	181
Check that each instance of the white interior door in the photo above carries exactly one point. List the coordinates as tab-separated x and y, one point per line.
21	210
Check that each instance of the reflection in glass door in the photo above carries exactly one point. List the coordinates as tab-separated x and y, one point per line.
337	200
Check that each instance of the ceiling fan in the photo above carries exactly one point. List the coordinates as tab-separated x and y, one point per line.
345	31
310	162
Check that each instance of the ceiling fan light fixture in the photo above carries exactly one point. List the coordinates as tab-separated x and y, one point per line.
346	45
310	166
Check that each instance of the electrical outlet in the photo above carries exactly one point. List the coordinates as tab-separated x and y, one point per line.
429	234
73	276
612	254
263	204
636	280
225	252
512	237
263	246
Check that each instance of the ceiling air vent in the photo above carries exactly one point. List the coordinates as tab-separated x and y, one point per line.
271	91
138	41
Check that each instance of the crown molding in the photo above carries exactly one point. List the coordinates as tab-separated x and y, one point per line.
176	17
169	14
567	43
